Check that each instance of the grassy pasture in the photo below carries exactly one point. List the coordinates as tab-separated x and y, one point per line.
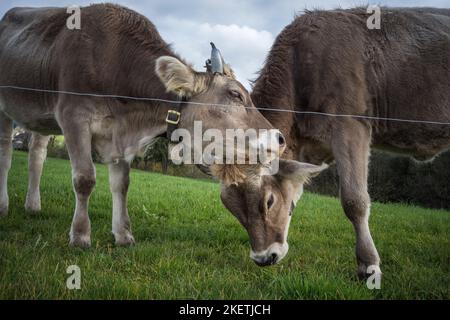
189	246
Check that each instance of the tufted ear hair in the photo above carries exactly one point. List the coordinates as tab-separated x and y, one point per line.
232	174
177	77
228	174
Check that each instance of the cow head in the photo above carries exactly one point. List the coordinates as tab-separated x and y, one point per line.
218	100
264	206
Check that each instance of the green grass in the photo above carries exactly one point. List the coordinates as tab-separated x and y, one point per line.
189	246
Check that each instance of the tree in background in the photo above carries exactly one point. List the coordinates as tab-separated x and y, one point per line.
158	152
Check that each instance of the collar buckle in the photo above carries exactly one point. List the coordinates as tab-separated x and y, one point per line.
173	117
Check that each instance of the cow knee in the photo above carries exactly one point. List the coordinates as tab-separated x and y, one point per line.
84	184
38	149
37	143
355	206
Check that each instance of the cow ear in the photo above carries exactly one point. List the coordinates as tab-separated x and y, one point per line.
299	171
228	71
177	77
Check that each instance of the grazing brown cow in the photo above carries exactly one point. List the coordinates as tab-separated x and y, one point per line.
330	62
116	51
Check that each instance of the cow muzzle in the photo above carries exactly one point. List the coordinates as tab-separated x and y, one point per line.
272	255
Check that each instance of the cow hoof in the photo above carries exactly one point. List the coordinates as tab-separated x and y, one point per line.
364	271
32	209
80	241
3	212
4	204
125	239
33	202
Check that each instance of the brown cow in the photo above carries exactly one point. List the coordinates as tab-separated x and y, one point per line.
330	62
116	51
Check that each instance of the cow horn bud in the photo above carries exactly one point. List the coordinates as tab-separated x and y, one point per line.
216	62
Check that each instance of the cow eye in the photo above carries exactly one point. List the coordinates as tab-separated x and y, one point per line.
237	95
270	202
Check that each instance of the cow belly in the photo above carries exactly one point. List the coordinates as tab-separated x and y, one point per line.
29	114
44	126
421	147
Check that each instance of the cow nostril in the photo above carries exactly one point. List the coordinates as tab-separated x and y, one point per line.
281	139
274	257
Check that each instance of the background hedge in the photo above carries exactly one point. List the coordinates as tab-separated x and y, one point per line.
392	178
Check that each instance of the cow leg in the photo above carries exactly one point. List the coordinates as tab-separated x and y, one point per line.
36	156
119	180
6	127
78	140
351	148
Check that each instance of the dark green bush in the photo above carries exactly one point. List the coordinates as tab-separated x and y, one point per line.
394	178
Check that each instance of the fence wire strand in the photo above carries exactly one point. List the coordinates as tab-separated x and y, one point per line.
113	96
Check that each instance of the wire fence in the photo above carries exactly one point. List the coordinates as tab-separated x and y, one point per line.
114	96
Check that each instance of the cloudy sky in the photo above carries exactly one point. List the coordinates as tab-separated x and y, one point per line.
243	30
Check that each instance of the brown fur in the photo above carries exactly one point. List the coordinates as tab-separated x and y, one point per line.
116	51
330	62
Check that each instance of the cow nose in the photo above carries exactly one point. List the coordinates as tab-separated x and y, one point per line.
274	258
281	139
264	263
267	261
272	255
